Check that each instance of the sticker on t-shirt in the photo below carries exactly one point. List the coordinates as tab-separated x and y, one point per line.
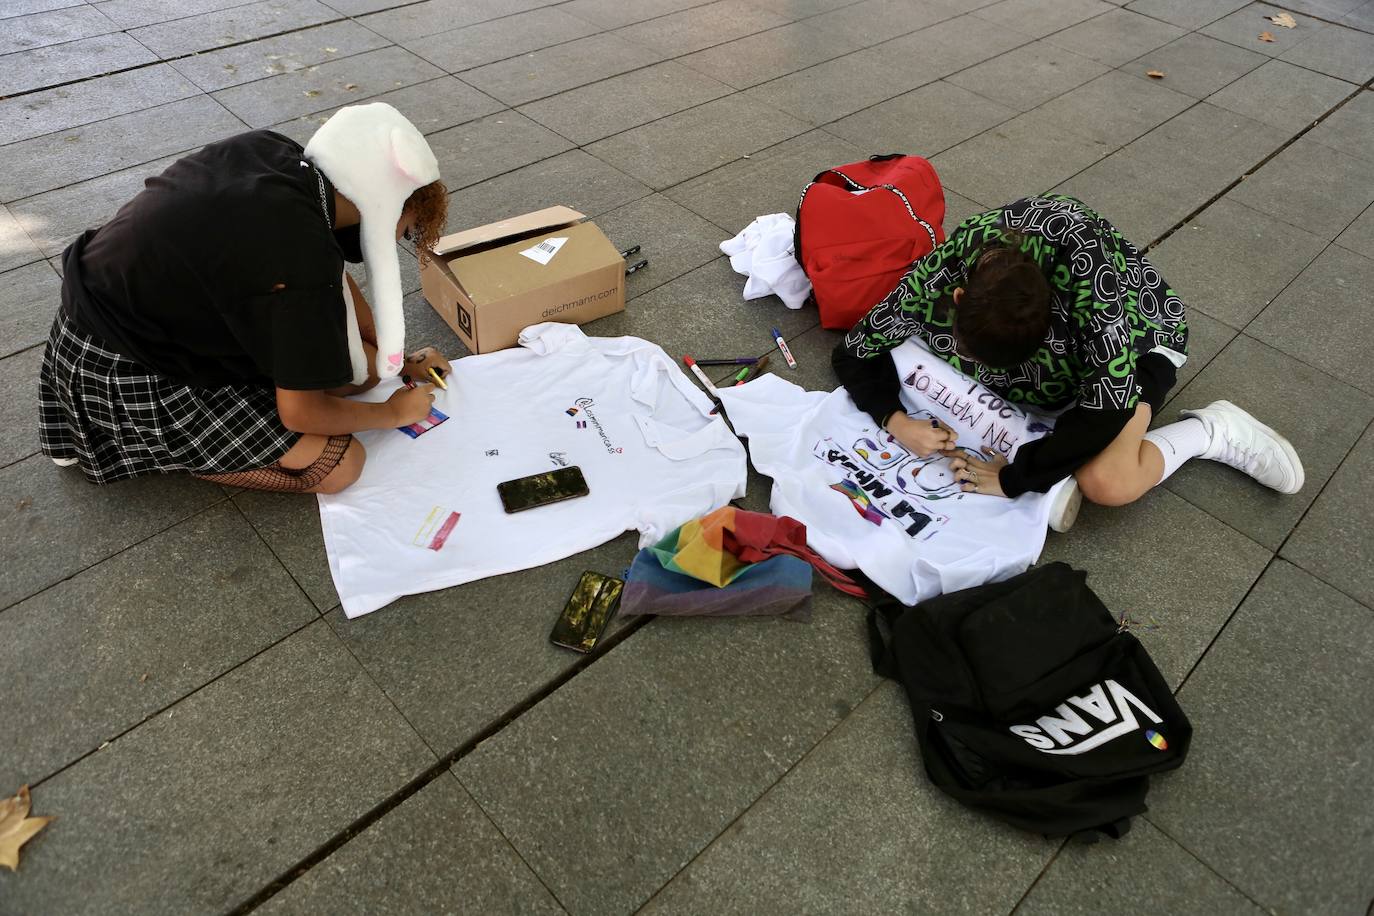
416	430
543	252
436	528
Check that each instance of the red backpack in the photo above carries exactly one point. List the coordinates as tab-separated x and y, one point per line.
861	226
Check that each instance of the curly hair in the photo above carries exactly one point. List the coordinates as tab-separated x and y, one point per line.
429	208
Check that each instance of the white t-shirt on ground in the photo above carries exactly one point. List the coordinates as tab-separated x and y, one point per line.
618	408
869	504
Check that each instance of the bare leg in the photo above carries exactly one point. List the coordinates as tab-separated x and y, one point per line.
1127	468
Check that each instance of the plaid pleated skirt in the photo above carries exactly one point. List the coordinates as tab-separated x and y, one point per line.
118	419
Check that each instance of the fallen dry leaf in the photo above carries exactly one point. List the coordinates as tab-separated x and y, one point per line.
1155	74
16	827
331	50
311	93
351	86
1284	19
1266	36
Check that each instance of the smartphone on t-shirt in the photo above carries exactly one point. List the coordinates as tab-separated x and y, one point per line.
587	613
542	489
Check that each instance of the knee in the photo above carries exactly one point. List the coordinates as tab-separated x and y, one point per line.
1104	488
346	472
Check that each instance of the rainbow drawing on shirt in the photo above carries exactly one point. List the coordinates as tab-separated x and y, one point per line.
416	430
862	504
1157	740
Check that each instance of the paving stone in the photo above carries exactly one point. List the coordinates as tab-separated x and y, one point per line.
891	842
1207	337
1113	109
959	208
15	8
130	14
612	14
1342	52
42	505
330	85
1361	17
1312	186
1196	65
1349	127
290	525
803	9
231	26
1328	9
1333	540
198	808
673	239
573	179
1283	95
53	219
498	39
1360	236
51	110
1029	75
1039	18
763	56
1023	156
827	91
431	106
871	21
44	163
721	320
29	297
722	709
696	141
38	30
456	661
16	248
69	62
560	68
493	145
925	121
1190	14
1141	873
135	633
944	48
18	415
1243	27
1231	261
1157	180
768	182
1140	567
1323	318
432	850
287	53
1116	37
405	22
1321	416
700	27
622	102
1279	707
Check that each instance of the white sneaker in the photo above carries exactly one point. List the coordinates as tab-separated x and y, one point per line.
1064	509
66	462
1246	444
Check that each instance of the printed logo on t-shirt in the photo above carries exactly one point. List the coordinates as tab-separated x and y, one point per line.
1066	732
585	405
559	458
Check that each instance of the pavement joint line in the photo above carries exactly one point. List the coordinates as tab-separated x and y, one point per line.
437	769
787	771
265	543
1203	862
1044	870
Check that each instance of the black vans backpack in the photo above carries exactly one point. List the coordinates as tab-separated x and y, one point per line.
1031	702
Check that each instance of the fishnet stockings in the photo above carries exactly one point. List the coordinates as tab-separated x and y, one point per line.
288	480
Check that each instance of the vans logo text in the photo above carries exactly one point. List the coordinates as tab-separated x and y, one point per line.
1065	731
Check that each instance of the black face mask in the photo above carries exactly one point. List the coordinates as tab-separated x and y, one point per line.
351	241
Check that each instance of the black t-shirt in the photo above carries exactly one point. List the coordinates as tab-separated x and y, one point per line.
223	270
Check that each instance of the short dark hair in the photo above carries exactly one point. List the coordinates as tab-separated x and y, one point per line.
1003	317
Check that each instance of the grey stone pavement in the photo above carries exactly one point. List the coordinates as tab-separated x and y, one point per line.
179	686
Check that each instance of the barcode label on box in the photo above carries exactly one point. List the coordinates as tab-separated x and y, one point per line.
543	252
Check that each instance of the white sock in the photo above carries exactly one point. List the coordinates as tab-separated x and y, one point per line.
1178	442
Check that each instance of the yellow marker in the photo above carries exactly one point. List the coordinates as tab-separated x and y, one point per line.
436	377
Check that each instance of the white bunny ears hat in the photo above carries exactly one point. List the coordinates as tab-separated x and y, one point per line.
376	158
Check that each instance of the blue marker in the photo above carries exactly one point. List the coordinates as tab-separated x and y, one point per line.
782	345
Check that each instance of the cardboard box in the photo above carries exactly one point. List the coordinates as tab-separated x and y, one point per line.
488	291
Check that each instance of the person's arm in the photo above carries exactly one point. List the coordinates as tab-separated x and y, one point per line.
326	415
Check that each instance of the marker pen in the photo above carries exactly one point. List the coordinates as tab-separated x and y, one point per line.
701	376
438	376
782	345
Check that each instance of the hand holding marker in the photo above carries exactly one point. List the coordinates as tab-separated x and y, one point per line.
782	345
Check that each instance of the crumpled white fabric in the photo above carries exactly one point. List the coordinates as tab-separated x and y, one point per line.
763	253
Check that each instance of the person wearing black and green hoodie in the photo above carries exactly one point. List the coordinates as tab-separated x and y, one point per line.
1049	306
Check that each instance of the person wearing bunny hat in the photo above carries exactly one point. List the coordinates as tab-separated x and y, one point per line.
210	327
